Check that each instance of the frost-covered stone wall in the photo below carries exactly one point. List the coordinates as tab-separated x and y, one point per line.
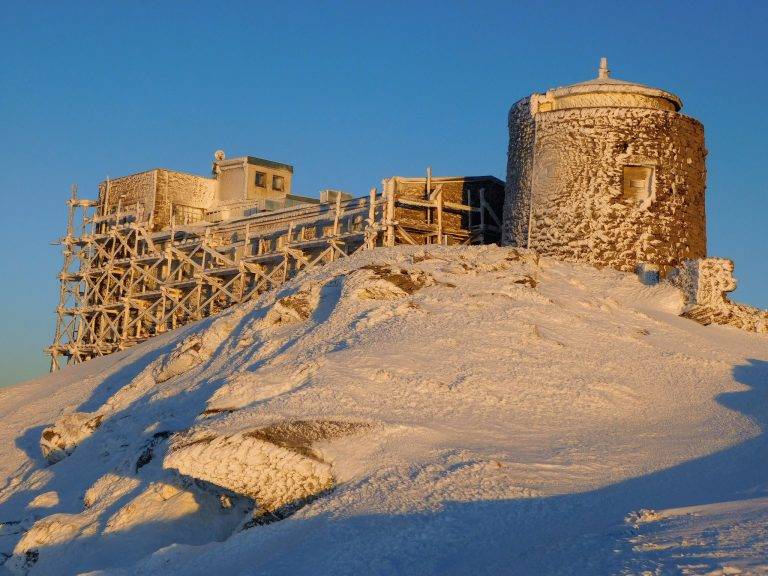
191	195
570	164
157	190
519	168
128	192
705	284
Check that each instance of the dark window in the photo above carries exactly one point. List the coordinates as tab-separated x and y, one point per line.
278	183
261	179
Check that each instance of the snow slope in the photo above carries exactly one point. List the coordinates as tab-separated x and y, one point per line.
404	411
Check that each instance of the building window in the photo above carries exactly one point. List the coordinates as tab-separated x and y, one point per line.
638	184
278	183
261	179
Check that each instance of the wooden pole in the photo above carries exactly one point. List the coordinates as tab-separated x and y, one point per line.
372	232
64	281
372	207
482	215
428	197
439	194
390	221
151	218
105	207
336	216
71	211
482	209
119	210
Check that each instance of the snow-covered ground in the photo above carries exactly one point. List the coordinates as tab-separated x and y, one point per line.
405	411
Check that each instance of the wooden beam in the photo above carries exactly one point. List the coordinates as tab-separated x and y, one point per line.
122	282
440	214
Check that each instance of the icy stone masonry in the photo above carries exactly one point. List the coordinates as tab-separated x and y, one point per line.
571	165
157	190
128	191
181	190
517	203
705	283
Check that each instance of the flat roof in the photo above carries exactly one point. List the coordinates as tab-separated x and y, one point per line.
268	163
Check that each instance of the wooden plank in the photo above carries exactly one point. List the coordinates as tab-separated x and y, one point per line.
390	214
439	200
408	238
431	204
121	281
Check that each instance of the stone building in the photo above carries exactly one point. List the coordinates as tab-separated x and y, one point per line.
606	172
238	187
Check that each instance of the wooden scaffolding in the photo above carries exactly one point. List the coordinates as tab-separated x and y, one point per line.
122	283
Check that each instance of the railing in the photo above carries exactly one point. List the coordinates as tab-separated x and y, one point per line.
182	214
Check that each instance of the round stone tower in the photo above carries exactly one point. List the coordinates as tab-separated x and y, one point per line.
606	172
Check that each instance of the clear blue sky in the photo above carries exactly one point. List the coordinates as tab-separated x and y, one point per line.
347	92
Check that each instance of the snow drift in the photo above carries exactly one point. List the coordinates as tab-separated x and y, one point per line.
408	410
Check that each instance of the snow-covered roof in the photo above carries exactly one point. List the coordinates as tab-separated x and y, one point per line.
604	84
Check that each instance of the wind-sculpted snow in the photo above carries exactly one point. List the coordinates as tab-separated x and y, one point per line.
417	410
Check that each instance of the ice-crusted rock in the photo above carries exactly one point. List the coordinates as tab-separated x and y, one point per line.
274	465
140	517
185	357
387	282
642	516
45	500
705	284
294	308
109	488
520	259
60	440
21	564
196	349
48	533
